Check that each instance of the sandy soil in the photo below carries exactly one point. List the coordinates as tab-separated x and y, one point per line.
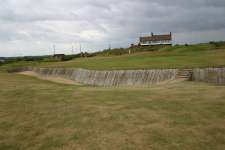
53	79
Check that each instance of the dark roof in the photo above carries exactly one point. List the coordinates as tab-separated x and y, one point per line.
56	55
156	38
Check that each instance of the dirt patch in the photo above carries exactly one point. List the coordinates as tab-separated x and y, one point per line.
50	78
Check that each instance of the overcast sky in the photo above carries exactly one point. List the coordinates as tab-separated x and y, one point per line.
31	27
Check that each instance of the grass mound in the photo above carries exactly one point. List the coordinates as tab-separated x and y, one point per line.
179	56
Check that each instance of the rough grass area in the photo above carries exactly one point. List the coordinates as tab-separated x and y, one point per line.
201	55
149	60
37	114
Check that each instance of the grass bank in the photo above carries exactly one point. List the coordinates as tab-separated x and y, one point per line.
189	56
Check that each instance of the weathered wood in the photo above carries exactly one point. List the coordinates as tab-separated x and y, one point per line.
210	75
111	78
131	77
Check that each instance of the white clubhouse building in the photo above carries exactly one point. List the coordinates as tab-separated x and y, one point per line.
165	39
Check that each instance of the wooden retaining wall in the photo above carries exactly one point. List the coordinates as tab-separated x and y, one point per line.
111	78
210	75
131	77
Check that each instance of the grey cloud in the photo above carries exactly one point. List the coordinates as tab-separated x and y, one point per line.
98	22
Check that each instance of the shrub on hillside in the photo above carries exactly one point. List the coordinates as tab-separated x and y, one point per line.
218	44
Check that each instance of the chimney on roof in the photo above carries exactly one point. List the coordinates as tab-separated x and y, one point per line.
152	33
170	33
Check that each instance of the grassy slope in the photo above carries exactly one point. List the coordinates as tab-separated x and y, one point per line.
202	55
38	114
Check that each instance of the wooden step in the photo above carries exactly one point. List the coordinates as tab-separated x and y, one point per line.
184	74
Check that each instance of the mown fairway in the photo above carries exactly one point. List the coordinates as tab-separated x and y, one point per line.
37	114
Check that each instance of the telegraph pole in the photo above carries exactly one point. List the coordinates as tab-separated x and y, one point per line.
109	46
54	49
80	47
81	50
72	50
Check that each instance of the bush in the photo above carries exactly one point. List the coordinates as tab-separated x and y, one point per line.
218	44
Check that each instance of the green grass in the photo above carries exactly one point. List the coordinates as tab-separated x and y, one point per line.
201	55
36	114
